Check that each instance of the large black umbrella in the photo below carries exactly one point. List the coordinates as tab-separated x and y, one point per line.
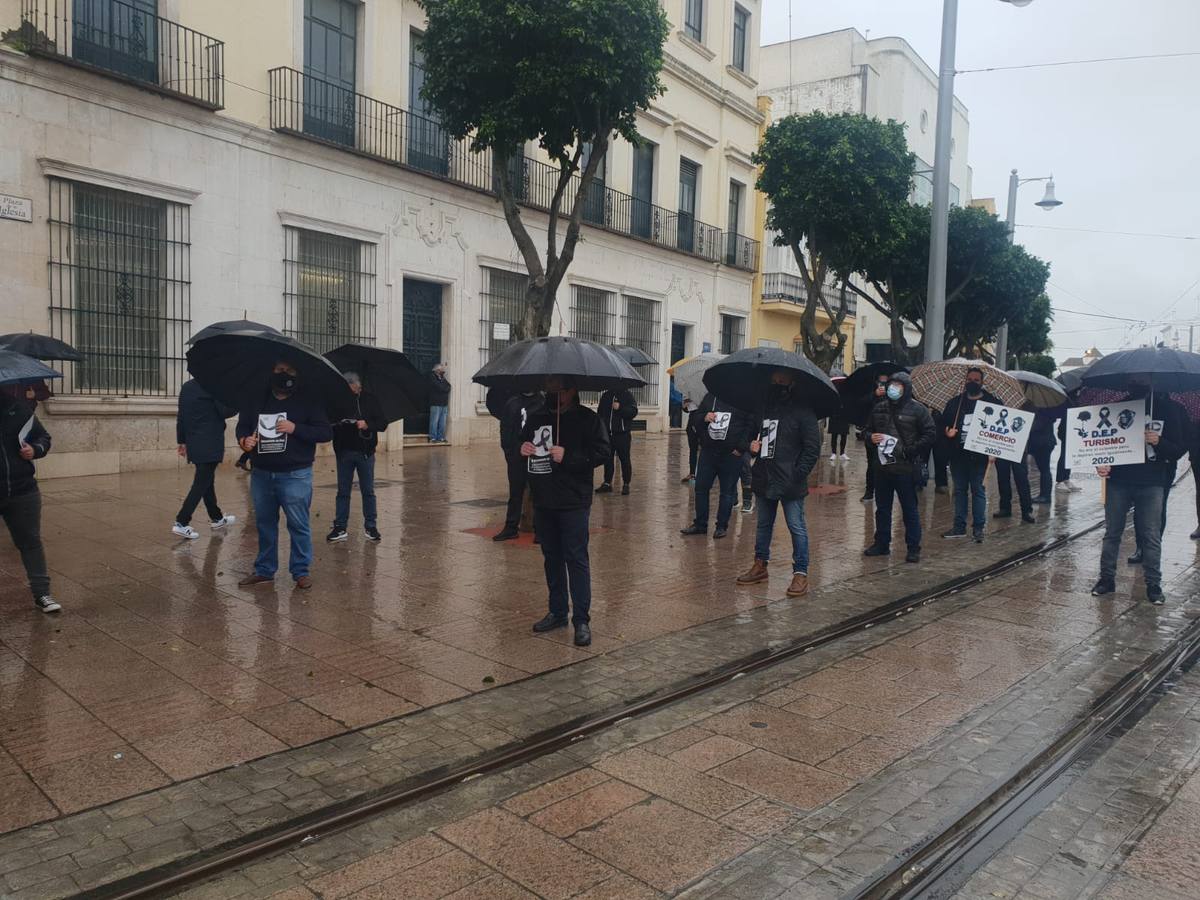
39	346
236	369
400	389
525	365
1040	391
1168	370
861	382
17	368
1073	379
742	379
635	356
233	326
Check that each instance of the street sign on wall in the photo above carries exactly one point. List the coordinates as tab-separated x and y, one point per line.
18	208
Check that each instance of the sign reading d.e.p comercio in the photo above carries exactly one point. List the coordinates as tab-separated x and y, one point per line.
1112	434
998	431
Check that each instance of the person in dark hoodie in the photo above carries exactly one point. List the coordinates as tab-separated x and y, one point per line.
200	434
562	445
282	434
786	450
966	467
724	443
1143	488
20	498
617	410
901	417
513	409
439	404
867	404
354	443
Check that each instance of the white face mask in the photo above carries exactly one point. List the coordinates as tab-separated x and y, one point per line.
895	393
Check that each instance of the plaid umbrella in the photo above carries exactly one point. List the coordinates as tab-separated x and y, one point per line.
937	383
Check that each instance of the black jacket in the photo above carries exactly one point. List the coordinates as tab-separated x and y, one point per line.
200	423
909	421
791	443
286	452
439	390
346	435
695	426
579	431
617	421
1173	443
955	414
734	430
1041	435
513	417
17	475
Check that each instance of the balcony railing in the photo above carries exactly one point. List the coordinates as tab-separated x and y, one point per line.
130	42
312	107
788	288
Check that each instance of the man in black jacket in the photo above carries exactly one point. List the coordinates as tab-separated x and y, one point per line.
902	432
354	443
786	450
724	443
283	434
617	410
1143	488
967	467
513	410
200	434
562	445
439	404
20	499
877	394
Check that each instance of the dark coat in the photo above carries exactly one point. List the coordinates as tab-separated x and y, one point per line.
791	445
618	421
955	414
909	421
513	416
439	390
290	452
1041	435
583	436
346	435
738	435
200	423
17	475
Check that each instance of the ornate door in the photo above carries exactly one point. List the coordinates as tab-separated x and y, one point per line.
422	337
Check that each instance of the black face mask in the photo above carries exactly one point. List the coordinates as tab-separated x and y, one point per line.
974	390
283	382
780	391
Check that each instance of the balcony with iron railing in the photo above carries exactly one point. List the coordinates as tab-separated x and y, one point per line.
128	41
785	287
314	108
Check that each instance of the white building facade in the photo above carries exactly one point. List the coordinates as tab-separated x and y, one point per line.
165	165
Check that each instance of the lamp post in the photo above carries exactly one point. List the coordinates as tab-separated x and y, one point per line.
939	232
1048	202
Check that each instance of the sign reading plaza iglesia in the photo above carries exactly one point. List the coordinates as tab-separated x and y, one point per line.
18	208
1111	434
1000	432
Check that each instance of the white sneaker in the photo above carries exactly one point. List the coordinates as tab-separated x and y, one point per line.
185	531
845	457
833	457
1072	487
223	521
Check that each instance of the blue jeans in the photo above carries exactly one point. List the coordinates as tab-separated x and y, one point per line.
713	466
968	470
437	422
349	463
793	514
564	537
1147	502
904	487
291	492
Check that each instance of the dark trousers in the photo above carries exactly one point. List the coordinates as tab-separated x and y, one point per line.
1041	458
711	467
1019	473
1196	478
23	516
621	445
564	537
1146	501
349	464
872	458
902	486
833	443
941	464
518	477
747	470
1063	473
203	488
693	453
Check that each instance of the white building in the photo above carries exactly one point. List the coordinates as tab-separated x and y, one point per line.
164	165
843	71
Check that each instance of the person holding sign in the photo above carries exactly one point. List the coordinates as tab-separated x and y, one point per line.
22	440
902	432
967	468
562	444
282	435
724	442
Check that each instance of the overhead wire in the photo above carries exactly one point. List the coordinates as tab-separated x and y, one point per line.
1080	62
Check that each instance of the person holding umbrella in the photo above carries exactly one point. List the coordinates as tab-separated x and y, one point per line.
967	468
200	434
617	409
354	443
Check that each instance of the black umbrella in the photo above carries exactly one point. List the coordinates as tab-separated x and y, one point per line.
861	382
742	379
236	369
1168	370
233	326
394	381
525	365
1072	380
1040	391
635	356
17	368
39	346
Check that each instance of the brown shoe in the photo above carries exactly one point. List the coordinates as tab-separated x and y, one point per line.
253	579
799	586
304	582
755	574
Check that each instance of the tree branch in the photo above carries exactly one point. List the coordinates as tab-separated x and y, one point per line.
512	215
567	166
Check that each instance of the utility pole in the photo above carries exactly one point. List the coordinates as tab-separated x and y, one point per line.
1010	221
939	232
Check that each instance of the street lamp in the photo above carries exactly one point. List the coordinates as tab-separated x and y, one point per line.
939	233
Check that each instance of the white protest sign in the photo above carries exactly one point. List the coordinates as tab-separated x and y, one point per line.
1000	432
887	450
25	429
1111	434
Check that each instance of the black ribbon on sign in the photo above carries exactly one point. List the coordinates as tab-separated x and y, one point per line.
1105	421
1003	422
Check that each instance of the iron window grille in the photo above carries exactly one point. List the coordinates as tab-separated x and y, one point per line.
642	328
120	289
328	289
502	303
733	333
593	318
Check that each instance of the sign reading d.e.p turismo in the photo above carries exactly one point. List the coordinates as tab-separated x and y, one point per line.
998	431
1112	434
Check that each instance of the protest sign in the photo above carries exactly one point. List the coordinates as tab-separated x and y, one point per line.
1111	434
1000	432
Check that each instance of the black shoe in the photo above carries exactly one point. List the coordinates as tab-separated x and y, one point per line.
720	532
978	537
955	533
373	535
877	550
549	623
336	535
1028	519
1002	514
507	533
583	635
47	604
605	488
1195	535
1136	559
624	490
1042	501
694	529
1104	586
867	498
912	556
1154	593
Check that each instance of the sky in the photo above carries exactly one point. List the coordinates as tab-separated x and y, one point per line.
1122	140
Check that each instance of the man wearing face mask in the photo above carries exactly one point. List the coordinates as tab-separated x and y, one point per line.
786	450
910	424
966	467
1143	487
562	444
876	395
282	436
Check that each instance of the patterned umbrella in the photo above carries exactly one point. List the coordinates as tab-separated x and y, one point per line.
937	383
